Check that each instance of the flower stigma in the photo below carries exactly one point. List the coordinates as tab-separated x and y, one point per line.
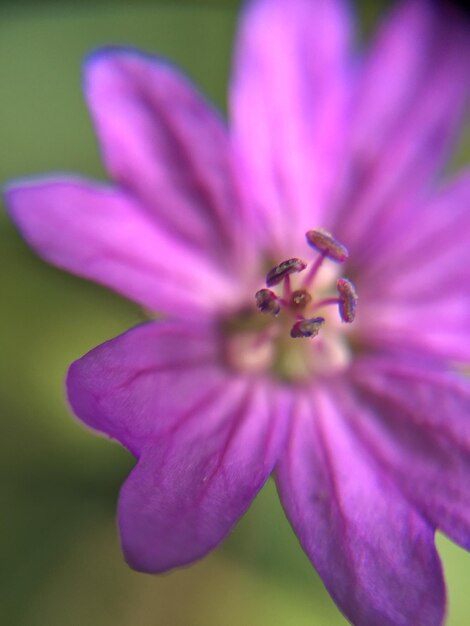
292	330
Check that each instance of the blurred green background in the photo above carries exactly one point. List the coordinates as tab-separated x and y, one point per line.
61	563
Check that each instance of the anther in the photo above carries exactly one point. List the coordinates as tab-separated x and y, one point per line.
300	299
267	302
325	243
347	299
284	269
307	328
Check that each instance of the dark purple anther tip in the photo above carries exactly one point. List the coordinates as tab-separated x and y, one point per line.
267	302
278	273
325	243
347	299
307	328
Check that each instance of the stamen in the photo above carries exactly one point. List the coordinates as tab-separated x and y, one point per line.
347	299
307	328
267	302
300	299
287	293
312	272
324	242
278	273
296	299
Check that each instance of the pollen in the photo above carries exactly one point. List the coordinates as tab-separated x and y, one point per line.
347	301
268	302
324	242
280	272
307	328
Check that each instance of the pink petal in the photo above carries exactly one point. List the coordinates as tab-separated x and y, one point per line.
102	234
131	387
375	554
416	290
288	103
410	103
206	438
416	421
193	484
164	143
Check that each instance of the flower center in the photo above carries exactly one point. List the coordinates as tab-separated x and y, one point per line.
292	332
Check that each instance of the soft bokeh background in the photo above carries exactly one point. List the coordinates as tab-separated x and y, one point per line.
60	558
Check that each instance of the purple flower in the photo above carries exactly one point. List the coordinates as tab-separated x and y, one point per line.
264	359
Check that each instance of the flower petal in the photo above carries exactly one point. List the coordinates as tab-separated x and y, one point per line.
206	438
192	484
415	418
416	291
102	234
288	102
131	387
410	104
162	141
376	555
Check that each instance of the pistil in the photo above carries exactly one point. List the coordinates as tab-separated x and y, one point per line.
300	299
